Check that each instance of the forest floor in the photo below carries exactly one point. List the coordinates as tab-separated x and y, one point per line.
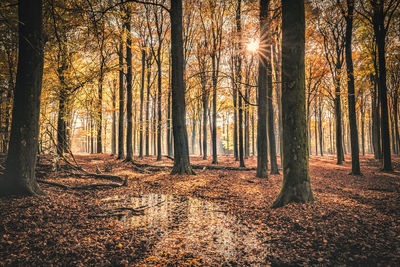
217	217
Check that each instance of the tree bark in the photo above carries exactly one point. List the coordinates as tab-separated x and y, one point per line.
121	102
239	82
129	125
296	179
141	104
262	141
19	176
380	35
355	161
270	112
181	150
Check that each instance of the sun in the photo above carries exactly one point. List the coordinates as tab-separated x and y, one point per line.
252	46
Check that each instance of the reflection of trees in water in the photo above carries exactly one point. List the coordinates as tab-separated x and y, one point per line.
202	227
178	212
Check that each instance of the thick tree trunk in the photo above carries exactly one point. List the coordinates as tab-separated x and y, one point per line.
296	179
121	102
129	125
355	161
181	150
19	176
262	141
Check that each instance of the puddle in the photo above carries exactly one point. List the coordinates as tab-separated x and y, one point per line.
192	226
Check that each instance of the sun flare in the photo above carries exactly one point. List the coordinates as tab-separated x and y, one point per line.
252	46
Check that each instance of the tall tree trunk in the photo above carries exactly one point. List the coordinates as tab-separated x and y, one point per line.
62	122
159	95
277	63
321	137
148	108
239	82
129	125
169	134
141	104
100	114
19	176
355	161
235	114
121	102
181	150
262	141
114	119
338	117
380	34
205	105
270	112
296	178
214	108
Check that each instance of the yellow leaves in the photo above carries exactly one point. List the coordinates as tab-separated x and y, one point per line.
119	245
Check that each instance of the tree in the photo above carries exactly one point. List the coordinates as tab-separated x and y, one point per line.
296	178
129	126
19	176
332	30
262	141
239	81
348	15
181	148
379	15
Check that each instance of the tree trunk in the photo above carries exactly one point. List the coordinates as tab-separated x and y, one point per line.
148	108
181	150
338	117
205	105
355	161
239	82
100	114
262	141
380	34
321	137
19	176
296	179
159	95
270	114
114	121
214	109
121	102
141	104
129	125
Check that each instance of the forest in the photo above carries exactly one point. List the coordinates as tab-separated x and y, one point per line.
199	132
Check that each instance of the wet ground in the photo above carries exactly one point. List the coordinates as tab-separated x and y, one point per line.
191	226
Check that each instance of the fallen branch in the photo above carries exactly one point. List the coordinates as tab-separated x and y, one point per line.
54	184
84	187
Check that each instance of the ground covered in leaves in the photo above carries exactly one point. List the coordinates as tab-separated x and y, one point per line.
217	217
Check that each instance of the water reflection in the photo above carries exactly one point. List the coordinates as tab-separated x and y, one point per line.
192	225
